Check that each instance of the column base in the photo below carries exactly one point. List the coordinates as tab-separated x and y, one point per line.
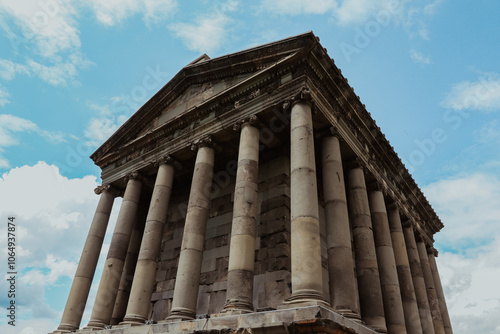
236	307
93	326
306	297
180	314
349	314
131	320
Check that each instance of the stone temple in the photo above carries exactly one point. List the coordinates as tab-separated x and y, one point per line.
259	196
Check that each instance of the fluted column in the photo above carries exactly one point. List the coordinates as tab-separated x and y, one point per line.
189	268
307	282
393	305
343	287
437	320
418	280
145	272
370	292
75	305
410	308
113	267
440	293
239	297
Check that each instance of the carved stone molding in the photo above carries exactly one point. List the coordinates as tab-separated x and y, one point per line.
304	95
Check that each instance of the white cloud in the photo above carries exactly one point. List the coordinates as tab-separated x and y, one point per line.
418	57
209	32
38	196
298	7
483	94
112	12
11	125
4	96
469	262
469	208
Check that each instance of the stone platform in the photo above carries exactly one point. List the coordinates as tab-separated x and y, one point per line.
312	319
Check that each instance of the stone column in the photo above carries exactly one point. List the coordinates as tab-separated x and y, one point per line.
440	293
410	308
239	297
418	280
145	272
370	292
134	246
431	289
307	282
113	267
393	305
343	287
190	258
73	312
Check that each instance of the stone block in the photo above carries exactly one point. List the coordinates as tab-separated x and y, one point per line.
208	265
279	250
280	263
222	285
217	300
160	309
161	275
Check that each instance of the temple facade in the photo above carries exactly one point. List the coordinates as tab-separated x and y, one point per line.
259	196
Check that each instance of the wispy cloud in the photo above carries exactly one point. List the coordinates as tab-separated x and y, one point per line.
418	57
489	133
298	7
208	32
112	12
11	126
9	69
482	94
4	96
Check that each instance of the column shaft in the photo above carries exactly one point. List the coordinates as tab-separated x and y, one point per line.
370	292
189	268
73	312
437	320
418	281
145	272
343	287
410	308
113	267
307	282
393	305
134	245
440	294
242	247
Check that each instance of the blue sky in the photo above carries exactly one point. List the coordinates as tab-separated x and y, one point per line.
72	71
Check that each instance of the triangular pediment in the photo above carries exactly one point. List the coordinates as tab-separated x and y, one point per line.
198	82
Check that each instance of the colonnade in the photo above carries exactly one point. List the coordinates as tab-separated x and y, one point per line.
380	271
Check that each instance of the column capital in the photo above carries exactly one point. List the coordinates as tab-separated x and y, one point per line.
167	160
378	185
108	188
206	141
304	95
356	162
251	120
433	251
135	175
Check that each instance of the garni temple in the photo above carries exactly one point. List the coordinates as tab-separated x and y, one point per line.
259	196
